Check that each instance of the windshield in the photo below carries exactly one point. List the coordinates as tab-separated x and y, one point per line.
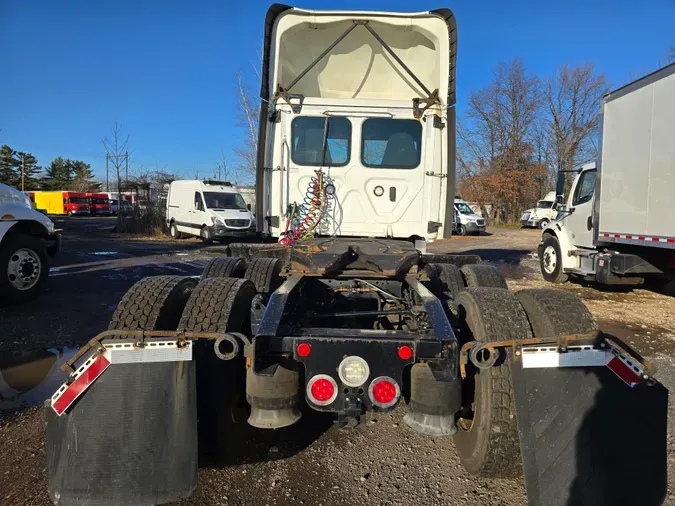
463	208
545	204
219	201
78	200
96	200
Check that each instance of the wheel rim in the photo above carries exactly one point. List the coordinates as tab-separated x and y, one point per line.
205	234
550	260
543	224
24	268
173	230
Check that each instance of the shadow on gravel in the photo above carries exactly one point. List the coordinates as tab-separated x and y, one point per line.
512	256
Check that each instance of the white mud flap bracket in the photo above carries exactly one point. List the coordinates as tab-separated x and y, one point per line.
592	424
116	351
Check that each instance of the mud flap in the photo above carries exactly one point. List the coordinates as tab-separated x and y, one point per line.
587	438
130	438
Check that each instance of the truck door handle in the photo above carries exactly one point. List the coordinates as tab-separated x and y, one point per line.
392	193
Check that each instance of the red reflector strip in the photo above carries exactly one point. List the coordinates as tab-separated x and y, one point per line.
617	236
77	387
655	239
624	372
629	237
641	237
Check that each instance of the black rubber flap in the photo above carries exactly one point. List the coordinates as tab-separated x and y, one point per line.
130	439
589	439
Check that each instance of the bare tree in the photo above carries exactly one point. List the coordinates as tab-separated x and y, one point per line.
573	96
117	151
246	118
222	168
497	139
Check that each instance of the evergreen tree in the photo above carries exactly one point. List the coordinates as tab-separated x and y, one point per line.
8	166
31	171
59	174
83	176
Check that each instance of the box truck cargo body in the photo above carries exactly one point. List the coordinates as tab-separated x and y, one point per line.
618	225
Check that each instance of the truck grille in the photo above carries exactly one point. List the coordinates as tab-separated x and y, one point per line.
480	223
237	223
525	217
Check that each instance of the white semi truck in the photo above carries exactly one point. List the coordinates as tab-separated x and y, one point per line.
618	223
346	316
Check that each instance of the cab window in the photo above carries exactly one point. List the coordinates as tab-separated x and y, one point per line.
391	143
307	141
585	188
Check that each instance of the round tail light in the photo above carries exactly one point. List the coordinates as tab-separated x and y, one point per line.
384	392
322	390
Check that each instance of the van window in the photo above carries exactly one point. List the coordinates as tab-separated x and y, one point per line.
219	201
199	205
307	140
391	143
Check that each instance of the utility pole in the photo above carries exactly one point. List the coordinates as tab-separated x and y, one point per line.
126	161
107	181
22	170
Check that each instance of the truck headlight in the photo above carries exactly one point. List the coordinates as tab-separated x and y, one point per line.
353	371
49	226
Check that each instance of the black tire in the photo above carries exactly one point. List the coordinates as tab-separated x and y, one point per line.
446	279
264	273
173	231
24	268
153	303
488	444
550	260
224	267
205	235
481	275
219	305
543	223
554	313
461	230
70	213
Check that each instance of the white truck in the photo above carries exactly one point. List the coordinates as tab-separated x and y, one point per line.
207	209
542	214
375	134
618	224
27	237
357	114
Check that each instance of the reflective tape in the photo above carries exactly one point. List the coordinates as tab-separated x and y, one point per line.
120	351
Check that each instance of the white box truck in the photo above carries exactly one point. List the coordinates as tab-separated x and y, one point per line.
618	225
207	209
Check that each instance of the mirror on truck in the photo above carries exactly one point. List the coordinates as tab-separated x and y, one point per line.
560	188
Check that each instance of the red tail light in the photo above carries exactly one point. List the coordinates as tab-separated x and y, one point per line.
384	392
322	390
405	352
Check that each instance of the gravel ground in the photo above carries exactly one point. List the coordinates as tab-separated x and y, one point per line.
383	463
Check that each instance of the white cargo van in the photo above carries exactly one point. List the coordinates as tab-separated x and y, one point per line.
467	222
207	209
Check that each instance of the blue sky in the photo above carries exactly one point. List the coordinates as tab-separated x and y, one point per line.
166	69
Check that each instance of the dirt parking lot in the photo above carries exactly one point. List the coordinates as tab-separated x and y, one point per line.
312	462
